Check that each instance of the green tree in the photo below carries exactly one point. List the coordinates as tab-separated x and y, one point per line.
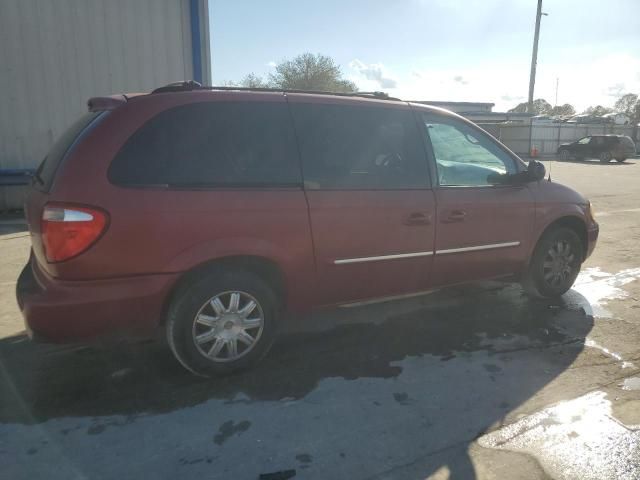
253	81
540	107
598	110
565	110
310	72
626	103
629	104
248	81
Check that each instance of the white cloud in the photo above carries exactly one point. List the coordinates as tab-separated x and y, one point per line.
271	64
374	72
616	90
596	82
512	98
460	79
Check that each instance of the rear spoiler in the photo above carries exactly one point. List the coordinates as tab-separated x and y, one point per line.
100	104
111	102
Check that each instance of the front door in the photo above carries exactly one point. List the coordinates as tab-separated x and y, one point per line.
484	226
371	206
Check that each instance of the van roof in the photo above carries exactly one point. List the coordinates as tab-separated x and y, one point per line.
190	85
112	102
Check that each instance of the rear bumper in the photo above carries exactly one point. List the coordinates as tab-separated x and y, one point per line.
72	311
592	239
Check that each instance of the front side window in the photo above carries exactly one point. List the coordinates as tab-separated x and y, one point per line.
359	147
465	156
584	141
225	144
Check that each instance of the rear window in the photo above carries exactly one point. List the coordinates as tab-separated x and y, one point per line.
225	144
627	143
47	169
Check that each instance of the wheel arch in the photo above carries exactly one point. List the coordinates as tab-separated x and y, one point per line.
265	268
572	222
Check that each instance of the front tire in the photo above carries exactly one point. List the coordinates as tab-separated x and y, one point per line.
621	160
222	322
564	155
605	157
555	263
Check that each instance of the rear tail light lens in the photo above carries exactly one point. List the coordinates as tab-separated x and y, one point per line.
68	230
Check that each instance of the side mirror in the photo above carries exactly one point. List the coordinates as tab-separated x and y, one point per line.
535	171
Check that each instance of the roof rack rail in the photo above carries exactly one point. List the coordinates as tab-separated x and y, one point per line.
190	85
184	86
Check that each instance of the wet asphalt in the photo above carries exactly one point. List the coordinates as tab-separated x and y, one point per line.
472	382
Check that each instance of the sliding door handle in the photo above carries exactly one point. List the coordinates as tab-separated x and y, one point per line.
454	216
417	218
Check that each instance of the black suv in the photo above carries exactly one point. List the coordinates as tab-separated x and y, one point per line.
603	147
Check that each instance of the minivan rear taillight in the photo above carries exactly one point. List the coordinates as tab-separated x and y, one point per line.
68	230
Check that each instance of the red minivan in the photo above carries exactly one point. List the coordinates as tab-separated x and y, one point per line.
210	212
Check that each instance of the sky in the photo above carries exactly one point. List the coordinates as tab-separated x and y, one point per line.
451	50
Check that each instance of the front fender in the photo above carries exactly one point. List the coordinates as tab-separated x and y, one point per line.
547	215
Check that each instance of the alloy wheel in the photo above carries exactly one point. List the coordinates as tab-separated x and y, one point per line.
559	264
228	326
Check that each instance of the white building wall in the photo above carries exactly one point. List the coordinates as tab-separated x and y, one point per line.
54	55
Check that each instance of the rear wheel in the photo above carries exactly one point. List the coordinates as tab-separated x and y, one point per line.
222	322
555	263
605	157
564	155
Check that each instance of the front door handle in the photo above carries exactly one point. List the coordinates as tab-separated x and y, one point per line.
455	216
418	218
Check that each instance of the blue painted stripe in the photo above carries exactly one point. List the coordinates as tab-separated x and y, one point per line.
196	47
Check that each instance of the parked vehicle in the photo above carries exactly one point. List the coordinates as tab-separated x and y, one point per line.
617	118
210	212
603	147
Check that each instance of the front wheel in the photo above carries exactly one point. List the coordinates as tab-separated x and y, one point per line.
555	263
221	322
620	160
564	155
605	157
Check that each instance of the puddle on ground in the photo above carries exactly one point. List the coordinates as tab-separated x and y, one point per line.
598	287
579	438
624	364
632	383
592	290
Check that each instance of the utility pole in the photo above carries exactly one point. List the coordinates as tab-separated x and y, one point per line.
534	56
557	82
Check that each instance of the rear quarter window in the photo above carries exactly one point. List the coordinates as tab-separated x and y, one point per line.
47	170
213	144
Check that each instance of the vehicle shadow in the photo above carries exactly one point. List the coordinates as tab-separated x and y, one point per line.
38	383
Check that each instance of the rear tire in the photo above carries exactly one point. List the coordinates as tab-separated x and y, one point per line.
555	263
208	328
605	157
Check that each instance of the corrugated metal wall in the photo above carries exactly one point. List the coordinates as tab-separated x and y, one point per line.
54	55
